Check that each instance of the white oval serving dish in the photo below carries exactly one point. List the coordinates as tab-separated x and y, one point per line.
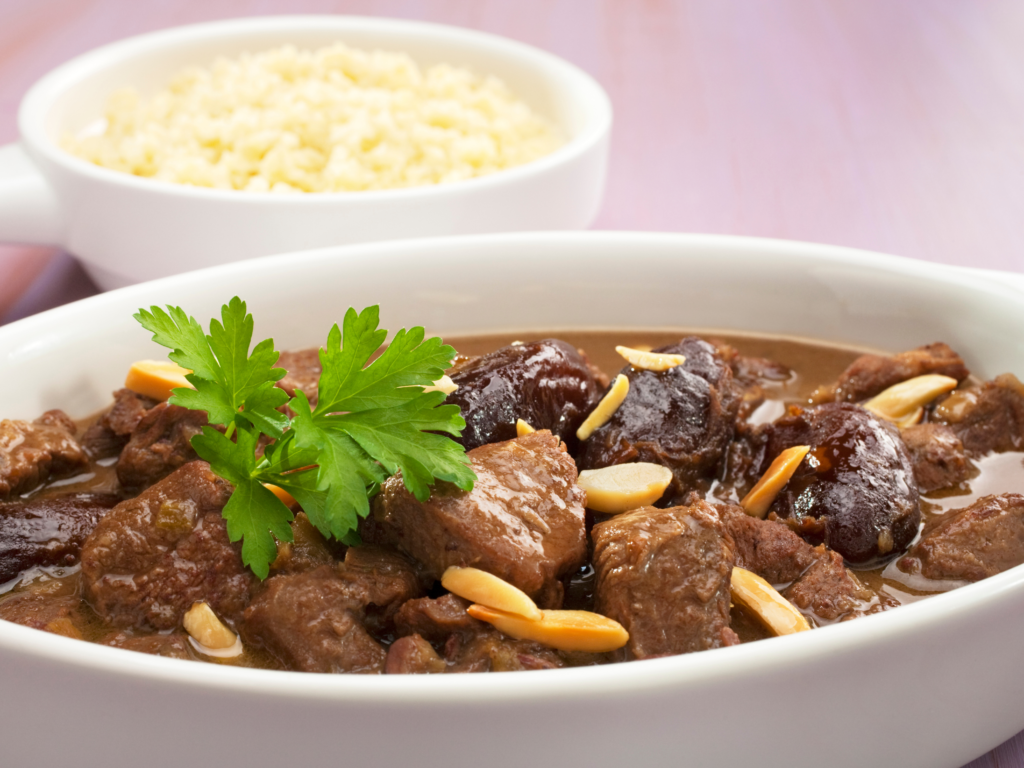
933	684
126	229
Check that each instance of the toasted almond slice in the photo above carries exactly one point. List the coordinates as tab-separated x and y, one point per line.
903	403
776	612
650	361
206	629
563	630
156	378
522	428
606	408
487	589
622	487
762	495
286	498
444	384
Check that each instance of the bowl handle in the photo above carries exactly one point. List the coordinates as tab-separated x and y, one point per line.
29	212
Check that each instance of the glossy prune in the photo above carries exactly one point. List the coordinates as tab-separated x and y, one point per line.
548	384
856	490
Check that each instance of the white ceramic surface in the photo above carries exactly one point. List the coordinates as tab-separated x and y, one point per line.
127	229
930	685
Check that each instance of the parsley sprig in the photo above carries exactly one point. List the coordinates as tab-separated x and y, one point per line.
370	421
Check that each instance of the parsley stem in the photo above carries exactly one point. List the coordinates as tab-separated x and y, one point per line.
230	430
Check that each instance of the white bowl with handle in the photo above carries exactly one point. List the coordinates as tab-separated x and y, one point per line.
126	229
928	685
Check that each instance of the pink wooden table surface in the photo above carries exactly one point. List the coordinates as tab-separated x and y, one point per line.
892	125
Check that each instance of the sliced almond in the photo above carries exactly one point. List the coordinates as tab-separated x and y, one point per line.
757	595
650	361
487	589
286	498
903	403
156	378
622	487
606	408
207	630
522	428
444	384
562	630
762	495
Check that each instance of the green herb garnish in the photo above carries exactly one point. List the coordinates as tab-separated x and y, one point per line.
370	421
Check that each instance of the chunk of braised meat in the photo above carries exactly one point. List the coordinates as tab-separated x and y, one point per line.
664	574
379	580
308	622
549	384
60	615
753	375
109	434
939	457
151	557
171	646
303	373
812	578
307	550
48	531
435	619
33	452
159	444
523	521
317	621
488	650
972	543
986	418
413	655
682	418
870	374
856	490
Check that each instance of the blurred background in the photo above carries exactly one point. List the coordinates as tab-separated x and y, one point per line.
890	125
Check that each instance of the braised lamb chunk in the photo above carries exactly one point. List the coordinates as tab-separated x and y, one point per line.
938	455
303	373
307	550
523	521
682	418
413	655
308	621
664	574
870	374
33	452
812	578
171	646
547	383
109	435
47	531
151	557
986	418
856	490
972	543
324	620
379	580
435	619
159	444
488	650
60	614
753	375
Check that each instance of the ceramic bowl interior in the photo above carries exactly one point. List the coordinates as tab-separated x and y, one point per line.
936	683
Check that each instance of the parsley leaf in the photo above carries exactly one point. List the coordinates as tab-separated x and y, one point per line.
372	419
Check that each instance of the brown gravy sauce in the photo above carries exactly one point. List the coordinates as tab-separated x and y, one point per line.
813	363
